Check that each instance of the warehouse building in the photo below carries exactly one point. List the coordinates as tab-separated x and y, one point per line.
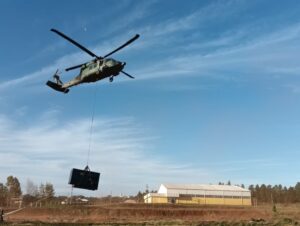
200	194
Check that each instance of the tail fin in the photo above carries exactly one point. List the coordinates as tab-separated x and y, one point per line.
57	84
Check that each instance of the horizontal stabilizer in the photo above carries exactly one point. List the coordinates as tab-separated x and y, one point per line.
57	87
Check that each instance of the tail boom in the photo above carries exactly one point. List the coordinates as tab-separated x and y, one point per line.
57	87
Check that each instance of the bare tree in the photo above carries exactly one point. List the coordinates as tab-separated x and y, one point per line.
31	188
42	192
49	190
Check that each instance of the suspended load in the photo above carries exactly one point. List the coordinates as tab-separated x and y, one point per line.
84	179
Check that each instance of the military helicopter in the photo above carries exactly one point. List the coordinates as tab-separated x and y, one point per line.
92	71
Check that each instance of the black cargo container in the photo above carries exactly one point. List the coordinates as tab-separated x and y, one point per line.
84	179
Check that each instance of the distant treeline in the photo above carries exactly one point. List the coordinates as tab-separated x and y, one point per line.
272	194
275	194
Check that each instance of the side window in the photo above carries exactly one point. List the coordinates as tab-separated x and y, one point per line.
92	66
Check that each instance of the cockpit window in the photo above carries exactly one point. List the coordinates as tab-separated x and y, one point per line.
91	66
110	62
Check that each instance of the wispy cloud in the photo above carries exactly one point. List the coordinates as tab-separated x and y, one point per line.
269	54
47	150
195	20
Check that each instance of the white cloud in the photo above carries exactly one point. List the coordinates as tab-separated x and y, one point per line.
269	54
47	150
195	20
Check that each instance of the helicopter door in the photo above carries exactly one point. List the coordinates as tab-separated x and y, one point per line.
90	69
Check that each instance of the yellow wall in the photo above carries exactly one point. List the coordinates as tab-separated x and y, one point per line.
203	201
216	201
159	200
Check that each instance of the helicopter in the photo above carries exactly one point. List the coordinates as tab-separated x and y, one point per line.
97	69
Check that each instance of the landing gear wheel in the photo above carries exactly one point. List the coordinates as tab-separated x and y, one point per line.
111	78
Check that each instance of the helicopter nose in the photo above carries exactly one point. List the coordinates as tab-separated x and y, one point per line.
122	64
119	66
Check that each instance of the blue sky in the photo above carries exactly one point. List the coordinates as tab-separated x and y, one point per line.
216	95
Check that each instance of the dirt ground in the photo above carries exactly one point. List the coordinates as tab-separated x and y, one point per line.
144	214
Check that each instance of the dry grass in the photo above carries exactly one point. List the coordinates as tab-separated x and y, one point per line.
143	214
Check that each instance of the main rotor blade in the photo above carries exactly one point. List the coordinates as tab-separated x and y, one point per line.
74	67
122	46
130	76
75	43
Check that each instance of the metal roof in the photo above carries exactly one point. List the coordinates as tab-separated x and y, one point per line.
207	187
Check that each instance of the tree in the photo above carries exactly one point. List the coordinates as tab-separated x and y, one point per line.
42	192
46	190
49	190
297	191
3	194
31	188
140	197
251	187
263	193
13	186
257	193
284	194
229	183
291	195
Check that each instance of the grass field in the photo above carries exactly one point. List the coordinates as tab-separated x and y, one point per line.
142	214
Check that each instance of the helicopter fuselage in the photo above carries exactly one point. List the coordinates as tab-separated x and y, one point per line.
96	70
100	69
